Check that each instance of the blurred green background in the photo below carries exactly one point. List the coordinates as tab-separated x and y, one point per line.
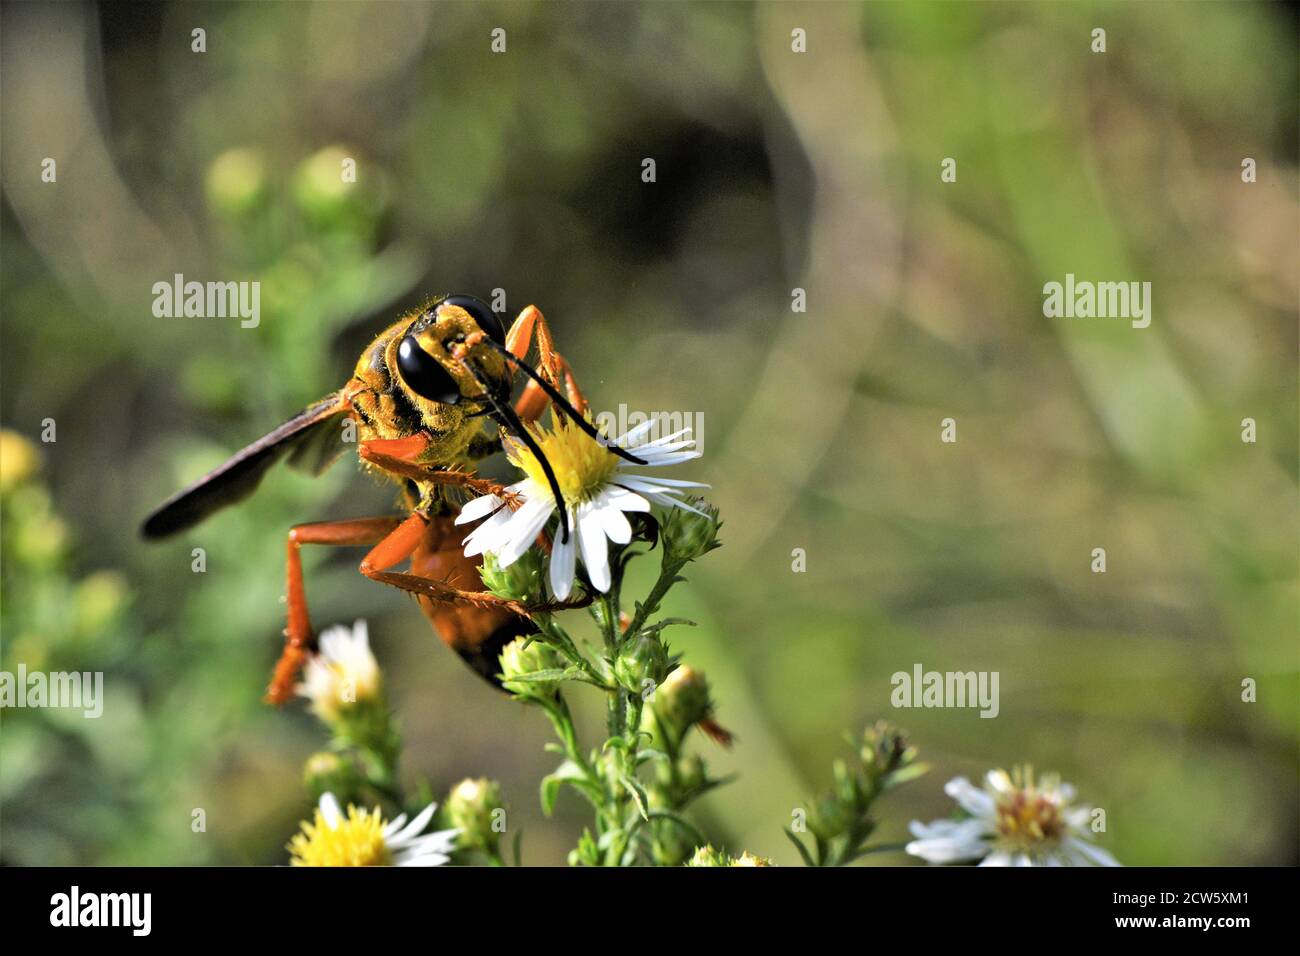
776	170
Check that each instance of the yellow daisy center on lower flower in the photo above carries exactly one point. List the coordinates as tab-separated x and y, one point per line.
1027	818
1030	813
582	465
357	840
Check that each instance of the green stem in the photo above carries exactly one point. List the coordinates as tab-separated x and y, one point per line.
616	705
682	822
883	848
558	638
667	577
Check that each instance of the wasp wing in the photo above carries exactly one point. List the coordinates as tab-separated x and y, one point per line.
304	438
317	447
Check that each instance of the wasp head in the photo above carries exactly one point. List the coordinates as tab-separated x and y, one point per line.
446	355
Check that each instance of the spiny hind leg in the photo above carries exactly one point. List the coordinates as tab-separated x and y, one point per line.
402	543
445	593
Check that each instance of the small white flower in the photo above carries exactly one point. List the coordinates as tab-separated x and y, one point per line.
1013	821
342	674
598	491
364	838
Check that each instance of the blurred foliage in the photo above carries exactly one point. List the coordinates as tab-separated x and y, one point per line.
775	170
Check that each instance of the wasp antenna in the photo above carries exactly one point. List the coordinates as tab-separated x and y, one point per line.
522	433
505	416
554	394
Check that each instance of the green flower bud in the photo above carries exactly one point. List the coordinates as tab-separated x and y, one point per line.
682	700
587	852
707	856
671	847
337	191
236	183
521	581
687	535
322	187
639	660
613	767
519	661
325	771
691	772
830	816
475	808
884	749
19	459
748	859
98	598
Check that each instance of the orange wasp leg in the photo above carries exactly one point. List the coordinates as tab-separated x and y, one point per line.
401	544
372	451
531	325
445	593
298	638
406	449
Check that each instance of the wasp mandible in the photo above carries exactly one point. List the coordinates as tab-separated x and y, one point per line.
419	397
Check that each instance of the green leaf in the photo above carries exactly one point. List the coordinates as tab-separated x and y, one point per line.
567	772
515	847
803	851
645	756
638	794
905	774
650	630
550	674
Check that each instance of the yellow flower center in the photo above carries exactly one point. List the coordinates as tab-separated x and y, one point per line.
1030	815
582	465
358	840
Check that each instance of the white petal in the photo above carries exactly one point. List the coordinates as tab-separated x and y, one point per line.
667	482
665	497
645	486
486	536
624	499
627	438
478	508
611	518
969	797
441	841
395	834
1077	818
595	554
431	859
667	502
657	460
523	530
329	808
652	453
664	439
948	841
998	781
563	554
1093	855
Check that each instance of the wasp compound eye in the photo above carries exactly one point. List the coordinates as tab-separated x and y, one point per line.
424	374
487	319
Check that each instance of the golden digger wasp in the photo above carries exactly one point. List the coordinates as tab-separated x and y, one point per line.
418	398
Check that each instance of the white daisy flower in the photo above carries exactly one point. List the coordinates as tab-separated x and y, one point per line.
364	838
343	673
597	489
1014	821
